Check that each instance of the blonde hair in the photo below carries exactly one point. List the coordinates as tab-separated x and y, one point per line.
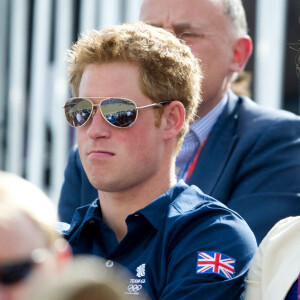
168	69
19	196
87	278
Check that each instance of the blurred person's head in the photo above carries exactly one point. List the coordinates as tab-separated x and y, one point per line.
167	68
87	278
216	31
29	243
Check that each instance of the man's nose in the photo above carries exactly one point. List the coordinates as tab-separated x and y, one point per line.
98	127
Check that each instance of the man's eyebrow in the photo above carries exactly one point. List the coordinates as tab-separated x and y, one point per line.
177	26
187	25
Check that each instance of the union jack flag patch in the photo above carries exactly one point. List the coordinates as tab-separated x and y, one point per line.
215	262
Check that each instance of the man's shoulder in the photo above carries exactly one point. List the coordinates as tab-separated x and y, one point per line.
254	112
252	119
192	199
193	217
194	210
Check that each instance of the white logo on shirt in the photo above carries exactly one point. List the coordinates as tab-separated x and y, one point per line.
134	288
140	270
135	284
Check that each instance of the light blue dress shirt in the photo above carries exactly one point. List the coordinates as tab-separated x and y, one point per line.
199	130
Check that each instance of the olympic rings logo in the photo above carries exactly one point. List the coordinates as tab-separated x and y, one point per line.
133	288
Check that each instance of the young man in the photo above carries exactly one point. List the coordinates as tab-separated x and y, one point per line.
29	245
136	89
244	155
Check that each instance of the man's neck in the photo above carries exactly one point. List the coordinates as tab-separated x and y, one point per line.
208	104
116	206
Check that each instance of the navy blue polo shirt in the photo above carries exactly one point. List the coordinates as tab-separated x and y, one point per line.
183	245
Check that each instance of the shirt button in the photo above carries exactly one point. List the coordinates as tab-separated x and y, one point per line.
136	215
109	263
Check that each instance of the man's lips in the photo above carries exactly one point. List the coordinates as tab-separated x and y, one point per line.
100	154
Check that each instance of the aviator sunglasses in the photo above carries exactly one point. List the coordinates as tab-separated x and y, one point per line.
118	112
15	272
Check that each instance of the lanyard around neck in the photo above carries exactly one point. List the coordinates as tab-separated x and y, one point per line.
194	162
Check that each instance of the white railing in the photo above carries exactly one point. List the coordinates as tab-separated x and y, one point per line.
34	136
17	59
269	54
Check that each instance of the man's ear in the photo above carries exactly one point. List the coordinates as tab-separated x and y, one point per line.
174	116
242	52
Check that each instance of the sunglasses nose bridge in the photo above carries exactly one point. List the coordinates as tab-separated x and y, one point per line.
94	109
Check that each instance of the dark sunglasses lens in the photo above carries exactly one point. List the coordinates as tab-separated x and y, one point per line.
119	112
78	111
13	273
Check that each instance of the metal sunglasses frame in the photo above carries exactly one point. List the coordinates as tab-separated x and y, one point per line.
137	108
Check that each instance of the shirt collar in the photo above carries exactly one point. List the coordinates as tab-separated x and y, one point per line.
150	212
156	211
202	127
93	210
82	216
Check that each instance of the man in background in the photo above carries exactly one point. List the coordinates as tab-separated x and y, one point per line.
242	154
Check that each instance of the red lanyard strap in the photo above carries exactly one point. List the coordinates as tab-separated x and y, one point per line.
193	164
